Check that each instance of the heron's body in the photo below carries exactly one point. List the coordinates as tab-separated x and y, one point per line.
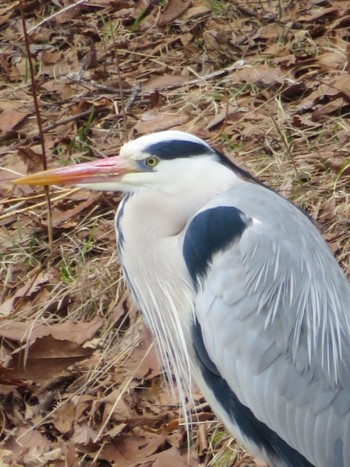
244	296
270	345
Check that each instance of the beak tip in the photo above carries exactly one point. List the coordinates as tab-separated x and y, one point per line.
25	180
17	181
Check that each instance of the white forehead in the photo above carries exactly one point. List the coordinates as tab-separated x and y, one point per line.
136	148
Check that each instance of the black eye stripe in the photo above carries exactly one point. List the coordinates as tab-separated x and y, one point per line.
173	149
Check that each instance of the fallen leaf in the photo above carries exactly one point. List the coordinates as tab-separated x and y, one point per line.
196	11
173	9
26	438
159	122
225	113
327	109
63	417
29	290
172	457
44	359
29	331
84	435
328	210
50	58
10	119
163	81
138	448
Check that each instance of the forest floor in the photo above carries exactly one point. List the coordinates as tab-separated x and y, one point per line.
266	82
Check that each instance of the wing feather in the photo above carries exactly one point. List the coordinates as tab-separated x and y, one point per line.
274	312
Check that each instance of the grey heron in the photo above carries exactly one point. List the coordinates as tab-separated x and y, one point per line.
240	290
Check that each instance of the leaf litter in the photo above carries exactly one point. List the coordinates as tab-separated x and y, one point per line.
266	82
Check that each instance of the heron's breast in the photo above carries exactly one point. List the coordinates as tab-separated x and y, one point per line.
153	264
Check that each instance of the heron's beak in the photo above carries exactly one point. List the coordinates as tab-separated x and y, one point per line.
103	170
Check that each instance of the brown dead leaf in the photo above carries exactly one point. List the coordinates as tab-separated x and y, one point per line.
196	10
29	331
138	448
63	417
338	164
319	13
10	119
45	358
49	58
26	438
173	10
172	457
117	429
121	411
29	290
332	60
152	122
65	91
6	12
67	15
327	109
144	359
271	31
32	159
84	435
224	114
328	210
164	81
260	73
341	5
5	356
338	87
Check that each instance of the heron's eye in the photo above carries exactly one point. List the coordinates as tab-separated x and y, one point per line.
151	161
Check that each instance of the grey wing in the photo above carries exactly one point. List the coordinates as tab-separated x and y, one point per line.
273	310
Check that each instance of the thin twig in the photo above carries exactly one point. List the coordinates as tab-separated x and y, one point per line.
49	18
39	122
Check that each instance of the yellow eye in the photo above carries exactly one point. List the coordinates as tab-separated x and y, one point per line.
152	161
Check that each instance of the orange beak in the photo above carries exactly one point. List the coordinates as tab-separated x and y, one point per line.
103	170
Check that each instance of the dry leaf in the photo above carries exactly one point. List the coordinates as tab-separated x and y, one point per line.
164	81
63	417
10	119
225	113
29	290
173	9
29	331
44	359
172	457
159	122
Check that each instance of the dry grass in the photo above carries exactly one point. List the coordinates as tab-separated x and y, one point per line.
284	116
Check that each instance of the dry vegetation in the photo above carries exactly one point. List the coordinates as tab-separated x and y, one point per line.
265	81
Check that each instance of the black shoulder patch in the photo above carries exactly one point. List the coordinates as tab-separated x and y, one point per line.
256	431
173	149
209	232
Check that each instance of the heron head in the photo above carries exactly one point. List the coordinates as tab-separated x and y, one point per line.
166	161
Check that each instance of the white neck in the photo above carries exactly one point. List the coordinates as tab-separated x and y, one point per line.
152	223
